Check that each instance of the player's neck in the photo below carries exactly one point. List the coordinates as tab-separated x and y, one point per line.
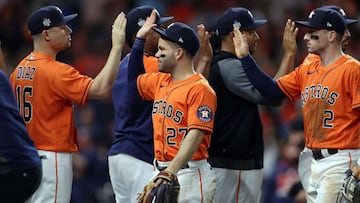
330	57
45	50
181	72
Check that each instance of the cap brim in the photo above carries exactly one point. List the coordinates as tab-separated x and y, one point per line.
162	33
259	23
305	24
350	21
70	17
164	20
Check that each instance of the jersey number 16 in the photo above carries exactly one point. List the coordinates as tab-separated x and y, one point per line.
25	106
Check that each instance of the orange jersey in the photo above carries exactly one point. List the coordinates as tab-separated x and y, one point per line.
45	91
151	64
178	107
330	98
311	58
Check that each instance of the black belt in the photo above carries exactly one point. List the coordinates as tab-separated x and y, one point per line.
319	155
161	168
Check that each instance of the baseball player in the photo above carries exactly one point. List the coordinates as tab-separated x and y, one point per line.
46	91
183	109
133	145
20	165
330	97
237	148
305	155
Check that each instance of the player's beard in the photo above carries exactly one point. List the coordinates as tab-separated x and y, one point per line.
252	48
166	64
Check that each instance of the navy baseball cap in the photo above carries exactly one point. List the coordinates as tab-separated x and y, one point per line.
323	18
237	17
181	34
47	17
137	17
348	21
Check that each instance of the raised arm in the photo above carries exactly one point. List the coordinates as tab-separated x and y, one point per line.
101	88
259	79
289	46
205	53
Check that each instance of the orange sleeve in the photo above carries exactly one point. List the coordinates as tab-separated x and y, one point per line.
202	107
151	64
71	85
147	84
353	84
289	85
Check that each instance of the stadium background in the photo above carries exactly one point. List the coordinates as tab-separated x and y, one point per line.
90	46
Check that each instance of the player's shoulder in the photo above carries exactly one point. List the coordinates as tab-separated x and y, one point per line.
43	61
310	58
229	63
202	84
352	60
151	64
350	65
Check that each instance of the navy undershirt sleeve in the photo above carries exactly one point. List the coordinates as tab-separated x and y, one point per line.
265	84
136	61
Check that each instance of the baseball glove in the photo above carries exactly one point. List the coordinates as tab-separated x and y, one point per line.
350	190
166	192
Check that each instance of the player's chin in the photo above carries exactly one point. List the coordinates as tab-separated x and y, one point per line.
252	48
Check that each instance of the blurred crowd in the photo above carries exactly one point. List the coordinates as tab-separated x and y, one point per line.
283	129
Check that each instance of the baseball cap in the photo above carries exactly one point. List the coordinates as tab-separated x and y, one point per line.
181	34
237	17
47	17
348	21
323	18
137	17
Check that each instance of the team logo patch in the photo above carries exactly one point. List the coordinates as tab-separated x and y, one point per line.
204	113
46	22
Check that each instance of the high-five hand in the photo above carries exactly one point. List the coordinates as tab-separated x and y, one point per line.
240	43
149	23
118	30
289	37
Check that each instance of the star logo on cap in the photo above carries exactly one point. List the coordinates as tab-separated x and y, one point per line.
46	22
141	22
328	24
181	40
237	24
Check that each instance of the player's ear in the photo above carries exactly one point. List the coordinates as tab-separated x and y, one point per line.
332	35
45	35
179	53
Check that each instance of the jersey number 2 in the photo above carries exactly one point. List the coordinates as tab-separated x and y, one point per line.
25	106
328	118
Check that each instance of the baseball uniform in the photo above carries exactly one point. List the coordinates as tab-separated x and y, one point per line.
133	145
237	146
330	98
177	108
45	90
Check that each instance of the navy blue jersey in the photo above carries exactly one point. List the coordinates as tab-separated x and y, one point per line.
17	150
133	124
